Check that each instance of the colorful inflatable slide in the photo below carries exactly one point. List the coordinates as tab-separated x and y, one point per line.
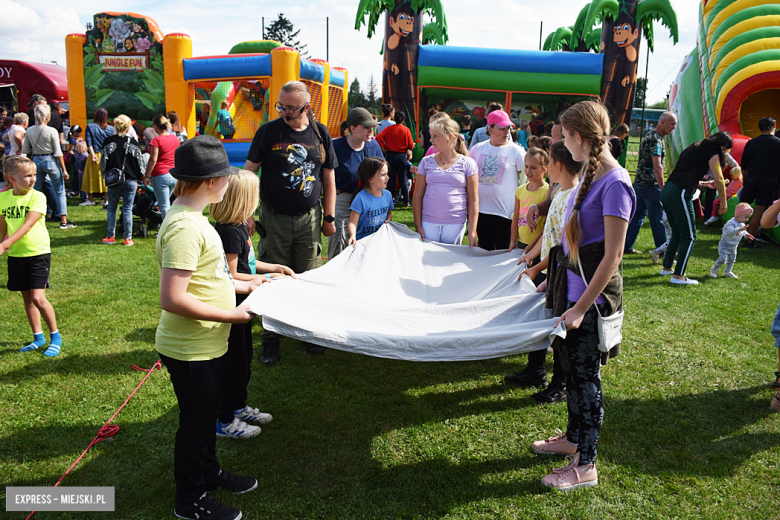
732	78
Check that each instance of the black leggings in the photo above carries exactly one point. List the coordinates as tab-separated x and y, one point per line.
236	371
581	359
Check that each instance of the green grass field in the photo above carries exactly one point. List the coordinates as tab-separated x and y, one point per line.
687	430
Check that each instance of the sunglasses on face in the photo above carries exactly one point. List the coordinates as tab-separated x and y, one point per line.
287	110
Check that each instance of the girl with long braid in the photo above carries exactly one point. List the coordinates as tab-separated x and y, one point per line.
598	213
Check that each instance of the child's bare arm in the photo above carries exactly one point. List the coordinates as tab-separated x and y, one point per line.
533	272
513	233
29	222
246	287
354	216
174	298
769	218
274	269
529	255
3	229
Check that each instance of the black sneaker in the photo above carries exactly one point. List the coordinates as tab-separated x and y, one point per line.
270	352
207	508
311	348
752	244
550	395
67	225
776	384
525	379
232	483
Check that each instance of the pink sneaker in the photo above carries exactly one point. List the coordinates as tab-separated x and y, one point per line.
557	445
572	476
775	404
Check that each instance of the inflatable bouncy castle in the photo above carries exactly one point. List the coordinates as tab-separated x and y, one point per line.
732	78
125	65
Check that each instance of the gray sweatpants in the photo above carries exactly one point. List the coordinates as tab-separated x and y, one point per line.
726	255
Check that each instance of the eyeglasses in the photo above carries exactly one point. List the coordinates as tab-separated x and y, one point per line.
279	108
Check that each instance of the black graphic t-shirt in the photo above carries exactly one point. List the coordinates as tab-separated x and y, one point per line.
291	178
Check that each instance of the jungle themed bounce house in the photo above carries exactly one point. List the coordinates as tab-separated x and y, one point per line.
126	65
421	71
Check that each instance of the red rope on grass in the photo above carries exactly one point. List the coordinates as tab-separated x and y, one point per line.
108	430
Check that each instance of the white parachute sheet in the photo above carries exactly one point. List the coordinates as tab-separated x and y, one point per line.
395	296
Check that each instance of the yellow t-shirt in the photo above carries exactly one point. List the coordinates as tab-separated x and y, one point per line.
526	198
188	242
14	210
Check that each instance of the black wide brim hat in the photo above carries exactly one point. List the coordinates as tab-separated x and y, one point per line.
201	158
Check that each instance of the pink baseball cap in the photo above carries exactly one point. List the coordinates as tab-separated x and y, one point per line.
500	119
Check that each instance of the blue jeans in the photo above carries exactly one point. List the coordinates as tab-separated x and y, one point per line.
163	189
648	204
776	329
54	188
127	192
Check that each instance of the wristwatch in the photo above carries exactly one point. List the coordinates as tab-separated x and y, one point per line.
329	219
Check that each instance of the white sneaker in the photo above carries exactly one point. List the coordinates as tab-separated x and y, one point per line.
714	272
729	274
686	281
666	272
237	430
655	256
710	220
254	415
87	203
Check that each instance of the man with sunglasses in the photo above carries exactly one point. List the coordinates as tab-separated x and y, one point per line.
298	162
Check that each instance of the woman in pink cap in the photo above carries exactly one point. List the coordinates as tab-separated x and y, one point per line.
500	163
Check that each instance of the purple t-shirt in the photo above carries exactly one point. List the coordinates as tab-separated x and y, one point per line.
445	200
611	195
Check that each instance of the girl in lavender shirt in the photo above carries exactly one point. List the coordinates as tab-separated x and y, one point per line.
598	211
445	192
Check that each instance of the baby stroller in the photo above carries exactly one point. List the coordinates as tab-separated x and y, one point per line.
146	213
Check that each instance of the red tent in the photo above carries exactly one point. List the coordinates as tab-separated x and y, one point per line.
34	78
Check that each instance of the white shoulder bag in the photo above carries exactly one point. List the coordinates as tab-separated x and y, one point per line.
610	328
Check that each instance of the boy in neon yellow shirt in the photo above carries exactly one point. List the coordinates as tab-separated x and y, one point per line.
22	212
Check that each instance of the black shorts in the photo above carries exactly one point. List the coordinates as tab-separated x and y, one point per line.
30	272
761	193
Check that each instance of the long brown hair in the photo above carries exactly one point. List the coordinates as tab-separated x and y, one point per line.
369	167
591	121
560	154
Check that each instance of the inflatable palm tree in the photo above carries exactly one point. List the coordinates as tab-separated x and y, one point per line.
621	33
577	37
558	40
403	33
